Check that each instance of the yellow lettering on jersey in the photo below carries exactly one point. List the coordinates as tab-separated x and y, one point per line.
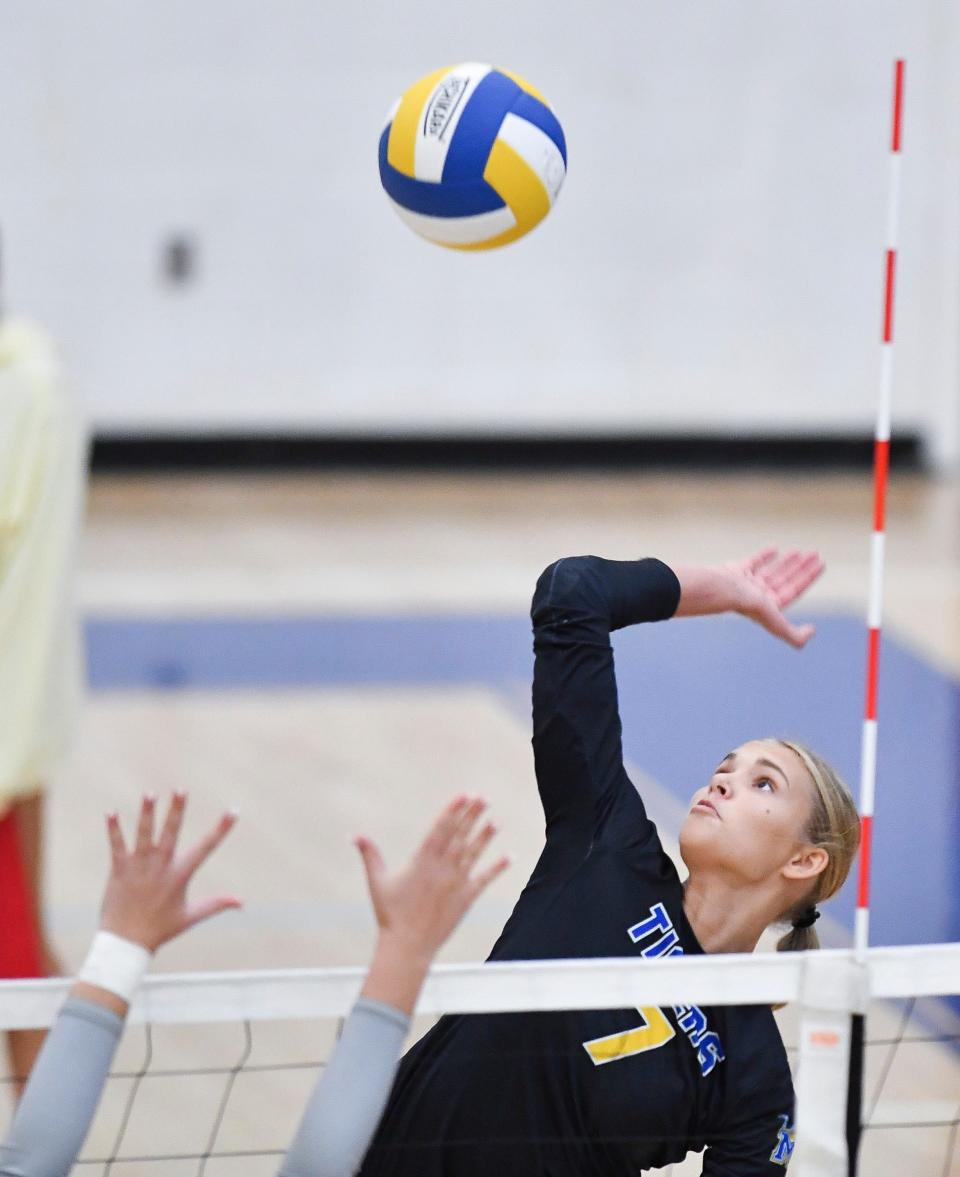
654	1032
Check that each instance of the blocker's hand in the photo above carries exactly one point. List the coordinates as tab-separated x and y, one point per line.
146	896
766	583
418	908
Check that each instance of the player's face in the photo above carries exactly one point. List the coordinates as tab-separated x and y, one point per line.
752	816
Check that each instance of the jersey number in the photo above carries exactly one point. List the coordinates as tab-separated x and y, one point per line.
654	1032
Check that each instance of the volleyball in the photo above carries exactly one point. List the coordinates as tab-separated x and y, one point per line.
472	157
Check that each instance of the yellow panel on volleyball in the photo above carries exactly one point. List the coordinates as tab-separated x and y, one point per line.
512	178
402	143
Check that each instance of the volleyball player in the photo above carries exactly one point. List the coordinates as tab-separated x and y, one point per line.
145	905
594	1093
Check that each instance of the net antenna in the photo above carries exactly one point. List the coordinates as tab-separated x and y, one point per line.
868	746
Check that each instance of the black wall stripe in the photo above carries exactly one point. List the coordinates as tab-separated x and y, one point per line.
281	451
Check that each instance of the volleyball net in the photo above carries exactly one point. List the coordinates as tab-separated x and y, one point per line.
215	1068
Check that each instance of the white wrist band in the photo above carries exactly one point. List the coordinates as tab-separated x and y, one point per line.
115	964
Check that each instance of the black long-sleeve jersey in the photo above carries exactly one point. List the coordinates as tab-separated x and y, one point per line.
603	1092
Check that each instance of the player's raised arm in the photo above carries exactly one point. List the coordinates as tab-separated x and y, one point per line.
578	602
416	910
144	906
576	724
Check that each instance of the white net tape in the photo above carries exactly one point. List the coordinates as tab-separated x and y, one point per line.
216	1076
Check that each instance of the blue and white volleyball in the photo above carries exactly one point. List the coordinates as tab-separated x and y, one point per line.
472	157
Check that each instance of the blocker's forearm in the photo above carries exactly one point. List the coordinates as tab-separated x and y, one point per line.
349	1098
61	1098
396	974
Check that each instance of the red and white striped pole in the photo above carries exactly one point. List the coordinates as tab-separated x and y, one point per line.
868	750
881	462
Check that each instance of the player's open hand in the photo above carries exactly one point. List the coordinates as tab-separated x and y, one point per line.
419	907
766	583
146	896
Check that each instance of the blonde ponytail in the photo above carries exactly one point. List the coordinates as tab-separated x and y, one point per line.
798	940
801	935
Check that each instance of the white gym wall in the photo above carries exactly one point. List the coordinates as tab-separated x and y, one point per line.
714	261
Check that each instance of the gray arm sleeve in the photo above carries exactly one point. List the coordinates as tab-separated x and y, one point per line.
348	1099
61	1098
